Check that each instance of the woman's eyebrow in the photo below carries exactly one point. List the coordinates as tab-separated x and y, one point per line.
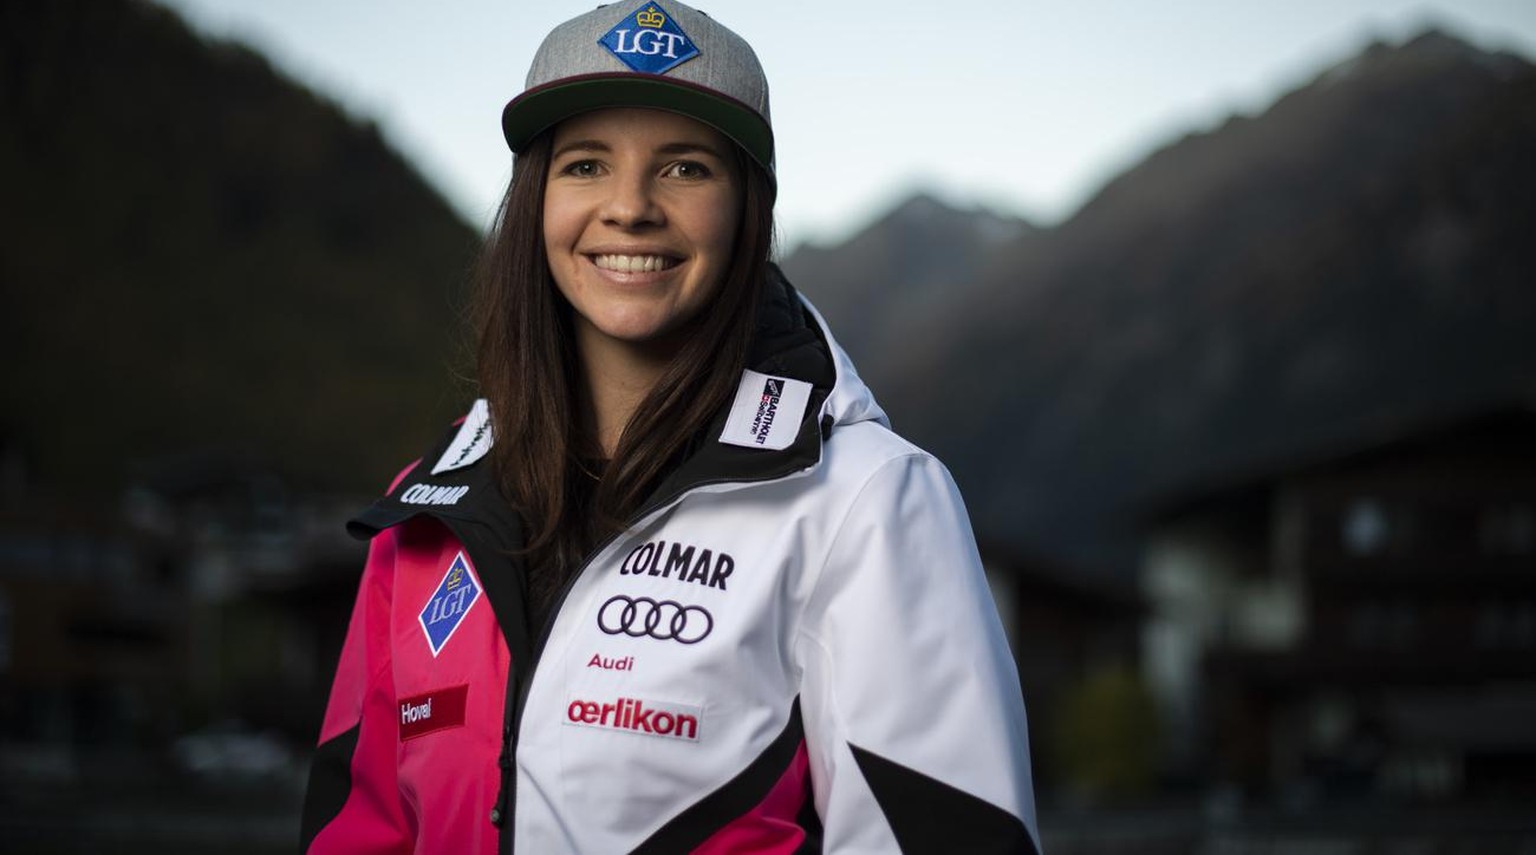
582	145
672	148
690	148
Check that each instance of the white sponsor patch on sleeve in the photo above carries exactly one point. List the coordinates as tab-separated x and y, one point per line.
471	442
767	411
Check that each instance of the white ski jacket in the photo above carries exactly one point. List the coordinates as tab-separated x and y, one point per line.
791	649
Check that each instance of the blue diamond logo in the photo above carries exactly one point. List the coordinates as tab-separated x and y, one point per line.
454	597
649	41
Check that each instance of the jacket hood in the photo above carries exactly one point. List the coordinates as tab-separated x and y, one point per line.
793	340
851	400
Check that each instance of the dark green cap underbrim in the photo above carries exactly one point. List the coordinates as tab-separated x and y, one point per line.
543	107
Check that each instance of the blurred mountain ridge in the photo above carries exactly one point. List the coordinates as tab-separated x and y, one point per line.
920	255
1356	255
202	255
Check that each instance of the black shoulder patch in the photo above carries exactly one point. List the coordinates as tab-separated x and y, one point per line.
928	815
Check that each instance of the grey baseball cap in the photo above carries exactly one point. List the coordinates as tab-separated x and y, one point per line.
646	54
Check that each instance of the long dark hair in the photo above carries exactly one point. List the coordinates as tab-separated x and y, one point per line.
529	370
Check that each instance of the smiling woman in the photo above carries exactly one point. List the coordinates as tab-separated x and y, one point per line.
672	585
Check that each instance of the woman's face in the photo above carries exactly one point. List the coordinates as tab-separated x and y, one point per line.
640	214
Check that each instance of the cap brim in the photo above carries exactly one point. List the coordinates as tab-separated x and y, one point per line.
543	107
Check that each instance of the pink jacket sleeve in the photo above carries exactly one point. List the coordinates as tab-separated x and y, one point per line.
353	804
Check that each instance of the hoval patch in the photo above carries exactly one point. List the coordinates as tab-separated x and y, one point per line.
456	594
649	41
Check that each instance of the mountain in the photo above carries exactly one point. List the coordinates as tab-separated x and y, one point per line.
203	255
1357	255
914	257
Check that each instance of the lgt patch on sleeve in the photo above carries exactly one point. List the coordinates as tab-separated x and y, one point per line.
456	594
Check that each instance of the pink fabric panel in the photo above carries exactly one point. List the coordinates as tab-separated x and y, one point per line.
448	778
365	652
373	819
770	827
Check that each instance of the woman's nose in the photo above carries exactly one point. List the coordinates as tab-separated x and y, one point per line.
632	203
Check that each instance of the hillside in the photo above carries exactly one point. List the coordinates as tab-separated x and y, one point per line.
920	255
1356	256
203	256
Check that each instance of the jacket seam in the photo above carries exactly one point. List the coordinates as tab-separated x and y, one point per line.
837	534
377	672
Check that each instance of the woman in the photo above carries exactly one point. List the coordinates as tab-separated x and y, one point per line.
695	596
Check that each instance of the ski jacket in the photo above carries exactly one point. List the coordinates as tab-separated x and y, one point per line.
791	648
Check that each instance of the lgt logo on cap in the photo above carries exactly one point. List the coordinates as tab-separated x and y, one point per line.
649	41
456	594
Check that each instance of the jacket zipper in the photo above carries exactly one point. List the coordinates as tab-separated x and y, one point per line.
511	730
514	725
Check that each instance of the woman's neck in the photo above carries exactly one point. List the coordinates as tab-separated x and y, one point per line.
618	375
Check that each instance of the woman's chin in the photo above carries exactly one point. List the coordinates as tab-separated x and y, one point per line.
635	332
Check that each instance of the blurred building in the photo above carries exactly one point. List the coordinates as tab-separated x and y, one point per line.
270	578
1068	631
205	597
1360	624
89	642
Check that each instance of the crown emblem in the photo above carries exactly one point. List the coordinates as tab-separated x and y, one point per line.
651	18
455	595
648	40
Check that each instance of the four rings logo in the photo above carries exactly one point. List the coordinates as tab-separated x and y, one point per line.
663	620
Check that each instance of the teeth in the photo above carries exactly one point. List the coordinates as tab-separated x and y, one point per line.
633	263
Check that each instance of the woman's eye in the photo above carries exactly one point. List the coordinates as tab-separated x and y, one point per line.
582	169
689	169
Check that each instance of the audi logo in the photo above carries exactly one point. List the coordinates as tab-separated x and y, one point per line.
663	620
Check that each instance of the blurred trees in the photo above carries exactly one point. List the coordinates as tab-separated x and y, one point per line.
200	255
1106	740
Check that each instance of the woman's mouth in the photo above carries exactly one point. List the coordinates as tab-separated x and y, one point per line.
634	263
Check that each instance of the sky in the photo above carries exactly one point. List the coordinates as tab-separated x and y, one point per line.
1023	107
